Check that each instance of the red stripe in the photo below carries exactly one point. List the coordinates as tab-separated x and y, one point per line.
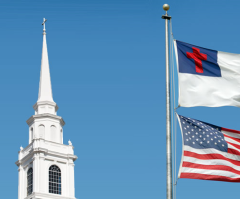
211	156
210	167
236	139
208	177
230	130
233	151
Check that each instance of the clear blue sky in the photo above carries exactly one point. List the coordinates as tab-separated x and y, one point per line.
107	62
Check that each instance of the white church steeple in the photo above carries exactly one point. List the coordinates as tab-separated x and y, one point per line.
45	87
45	103
46	165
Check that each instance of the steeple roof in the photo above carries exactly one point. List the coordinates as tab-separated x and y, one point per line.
45	103
45	87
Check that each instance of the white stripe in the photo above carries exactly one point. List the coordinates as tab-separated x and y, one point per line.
232	141
233	147
234	135
211	162
211	151
210	172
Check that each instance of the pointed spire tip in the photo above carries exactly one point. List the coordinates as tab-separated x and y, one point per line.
43	23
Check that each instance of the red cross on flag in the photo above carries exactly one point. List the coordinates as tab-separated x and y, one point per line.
197	57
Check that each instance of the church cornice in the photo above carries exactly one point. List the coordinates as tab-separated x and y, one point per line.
46	152
45	115
35	106
30	151
48	195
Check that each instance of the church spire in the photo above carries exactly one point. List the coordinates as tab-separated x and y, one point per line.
45	103
45	87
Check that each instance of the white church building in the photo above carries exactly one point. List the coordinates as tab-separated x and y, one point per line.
46	165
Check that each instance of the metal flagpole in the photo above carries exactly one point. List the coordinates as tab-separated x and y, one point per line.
168	111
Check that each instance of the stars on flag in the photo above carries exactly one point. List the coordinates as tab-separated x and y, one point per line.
199	135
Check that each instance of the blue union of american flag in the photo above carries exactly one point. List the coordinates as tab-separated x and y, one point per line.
209	152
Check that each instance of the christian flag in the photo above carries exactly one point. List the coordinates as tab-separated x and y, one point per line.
209	152
207	77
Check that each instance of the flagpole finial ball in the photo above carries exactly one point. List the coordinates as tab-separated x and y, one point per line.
166	7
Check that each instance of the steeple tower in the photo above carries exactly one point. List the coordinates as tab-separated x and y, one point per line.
46	165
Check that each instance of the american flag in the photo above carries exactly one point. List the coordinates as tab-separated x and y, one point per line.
209	152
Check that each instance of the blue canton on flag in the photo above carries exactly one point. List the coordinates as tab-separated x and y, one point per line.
197	60
201	135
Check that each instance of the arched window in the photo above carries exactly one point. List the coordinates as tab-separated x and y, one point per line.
53	133
55	180
41	129
29	181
